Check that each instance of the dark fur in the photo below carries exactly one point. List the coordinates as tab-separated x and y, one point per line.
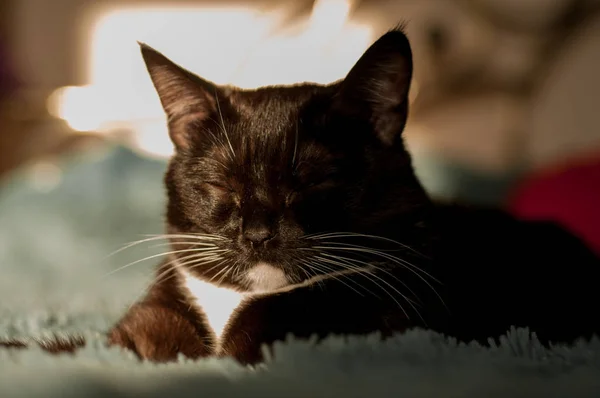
314	159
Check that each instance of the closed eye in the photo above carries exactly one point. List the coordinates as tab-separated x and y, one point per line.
311	186
321	183
219	186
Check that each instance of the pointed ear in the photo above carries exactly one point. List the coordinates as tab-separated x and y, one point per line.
185	97
376	88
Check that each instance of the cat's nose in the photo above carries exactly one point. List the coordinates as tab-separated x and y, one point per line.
258	235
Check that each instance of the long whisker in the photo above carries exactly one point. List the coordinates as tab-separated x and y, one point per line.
162	255
364	271
387	256
208	270
295	146
323	268
410	267
310	272
225	269
164	275
183	243
164	237
192	261
195	261
215	140
359	235
349	266
348	260
229	269
190	236
344	244
223	123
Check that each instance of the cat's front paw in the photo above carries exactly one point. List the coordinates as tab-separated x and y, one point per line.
248	330
158	334
318	312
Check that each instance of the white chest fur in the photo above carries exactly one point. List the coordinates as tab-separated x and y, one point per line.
219	303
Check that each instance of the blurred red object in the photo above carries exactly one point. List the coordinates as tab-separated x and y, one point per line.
568	194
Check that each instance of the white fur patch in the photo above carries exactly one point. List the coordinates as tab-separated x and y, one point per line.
265	278
217	303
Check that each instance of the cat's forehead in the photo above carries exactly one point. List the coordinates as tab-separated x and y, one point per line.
270	126
277	102
266	119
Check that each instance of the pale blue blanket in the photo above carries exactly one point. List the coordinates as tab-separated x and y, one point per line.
53	280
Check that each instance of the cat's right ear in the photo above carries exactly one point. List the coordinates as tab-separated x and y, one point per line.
185	97
376	88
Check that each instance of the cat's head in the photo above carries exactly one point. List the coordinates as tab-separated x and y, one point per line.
270	186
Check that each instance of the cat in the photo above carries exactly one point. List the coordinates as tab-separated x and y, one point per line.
296	210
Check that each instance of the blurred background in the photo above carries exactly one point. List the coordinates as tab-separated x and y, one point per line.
501	86
505	104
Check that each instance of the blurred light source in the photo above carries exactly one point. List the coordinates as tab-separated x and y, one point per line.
79	107
328	16
120	94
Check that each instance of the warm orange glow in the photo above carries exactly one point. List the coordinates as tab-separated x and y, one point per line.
225	45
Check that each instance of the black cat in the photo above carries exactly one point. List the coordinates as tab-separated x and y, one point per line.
304	200
299	207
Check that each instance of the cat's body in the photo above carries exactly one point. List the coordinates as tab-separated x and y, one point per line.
518	274
317	224
303	203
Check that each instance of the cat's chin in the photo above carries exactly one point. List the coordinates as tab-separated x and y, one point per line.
265	277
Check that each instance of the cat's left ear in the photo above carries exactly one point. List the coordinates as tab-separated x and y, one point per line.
376	88
185	97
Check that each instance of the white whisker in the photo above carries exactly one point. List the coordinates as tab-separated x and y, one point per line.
334	235
160	278
162	255
378	278
322	267
184	243
225	269
229	269
310	272
407	265
208	270
295	146
387	256
165	237
350	260
191	236
223	124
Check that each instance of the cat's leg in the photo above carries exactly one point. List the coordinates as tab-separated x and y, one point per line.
160	334
328	308
163	324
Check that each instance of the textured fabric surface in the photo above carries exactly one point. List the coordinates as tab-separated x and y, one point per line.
56	278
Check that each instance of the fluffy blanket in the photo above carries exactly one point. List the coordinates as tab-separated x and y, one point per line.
57	225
